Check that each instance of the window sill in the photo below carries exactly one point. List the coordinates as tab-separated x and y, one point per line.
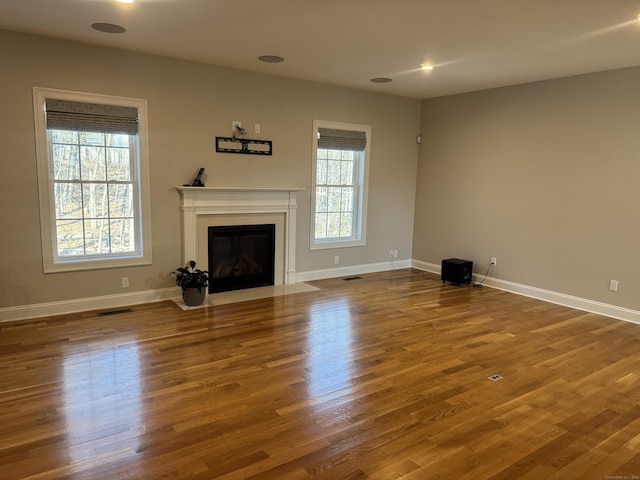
337	244
82	265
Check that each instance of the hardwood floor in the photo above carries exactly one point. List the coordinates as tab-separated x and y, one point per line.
380	377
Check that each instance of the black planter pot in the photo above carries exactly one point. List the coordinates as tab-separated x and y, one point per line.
193	296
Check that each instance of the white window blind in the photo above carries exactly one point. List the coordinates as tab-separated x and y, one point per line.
91	117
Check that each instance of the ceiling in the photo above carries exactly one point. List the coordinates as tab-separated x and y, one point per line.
473	44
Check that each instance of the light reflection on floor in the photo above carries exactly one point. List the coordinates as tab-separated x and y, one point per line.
102	399
329	346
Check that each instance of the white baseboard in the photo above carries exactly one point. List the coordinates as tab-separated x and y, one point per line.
584	304
427	267
23	312
38	310
351	270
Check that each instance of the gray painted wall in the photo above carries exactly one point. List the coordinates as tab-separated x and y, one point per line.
188	105
543	176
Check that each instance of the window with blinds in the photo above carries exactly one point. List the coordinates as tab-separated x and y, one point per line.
340	177
91	165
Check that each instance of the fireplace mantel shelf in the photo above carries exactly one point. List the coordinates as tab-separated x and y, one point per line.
238	189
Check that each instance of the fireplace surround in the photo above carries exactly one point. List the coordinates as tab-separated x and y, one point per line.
204	207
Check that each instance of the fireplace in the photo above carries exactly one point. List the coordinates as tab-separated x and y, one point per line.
241	256
204	207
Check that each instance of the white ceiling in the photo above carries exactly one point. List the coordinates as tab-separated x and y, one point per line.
474	44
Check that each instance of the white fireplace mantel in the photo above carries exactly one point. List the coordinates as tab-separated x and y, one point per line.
202	201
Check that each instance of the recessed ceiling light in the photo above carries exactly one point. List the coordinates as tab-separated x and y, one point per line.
426	67
381	80
125	1
108	28
271	59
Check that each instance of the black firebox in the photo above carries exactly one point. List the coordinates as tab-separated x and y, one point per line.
241	256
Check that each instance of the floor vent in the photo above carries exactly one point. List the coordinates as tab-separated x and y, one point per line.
115	312
495	377
351	278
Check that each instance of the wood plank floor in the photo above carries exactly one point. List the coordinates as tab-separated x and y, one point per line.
380	377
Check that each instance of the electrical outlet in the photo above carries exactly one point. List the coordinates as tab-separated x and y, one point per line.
494	261
390	253
395	254
234	124
125	282
613	285
336	260
257	128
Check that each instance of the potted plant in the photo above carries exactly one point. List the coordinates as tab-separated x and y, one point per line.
193	282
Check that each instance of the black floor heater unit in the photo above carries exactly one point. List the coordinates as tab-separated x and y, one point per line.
457	271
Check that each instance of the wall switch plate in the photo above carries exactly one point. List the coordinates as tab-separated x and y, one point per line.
336	260
125	282
613	285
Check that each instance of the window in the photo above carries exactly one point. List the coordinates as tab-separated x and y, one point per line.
340	174
93	178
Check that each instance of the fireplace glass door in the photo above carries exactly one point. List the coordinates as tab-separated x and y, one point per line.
241	256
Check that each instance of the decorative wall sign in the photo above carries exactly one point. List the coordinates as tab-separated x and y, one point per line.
243	145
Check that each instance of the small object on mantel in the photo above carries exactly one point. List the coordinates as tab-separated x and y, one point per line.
197	181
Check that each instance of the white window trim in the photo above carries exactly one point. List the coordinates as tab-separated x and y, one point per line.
359	239
45	174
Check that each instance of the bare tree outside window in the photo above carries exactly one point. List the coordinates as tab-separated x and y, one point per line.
93	192
335	188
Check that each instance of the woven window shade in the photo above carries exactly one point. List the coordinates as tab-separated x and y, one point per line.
91	117
342	139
